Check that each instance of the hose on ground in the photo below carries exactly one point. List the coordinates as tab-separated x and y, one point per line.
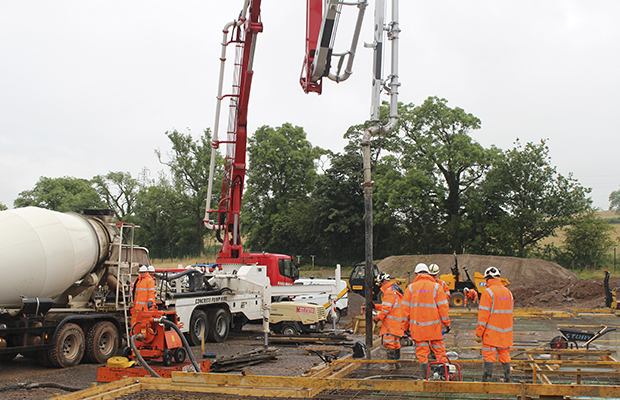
185	344
30	385
132	341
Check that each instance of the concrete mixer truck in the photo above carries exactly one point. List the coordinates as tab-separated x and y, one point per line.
64	284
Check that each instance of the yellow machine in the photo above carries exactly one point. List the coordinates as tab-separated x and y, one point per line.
457	285
293	318
357	280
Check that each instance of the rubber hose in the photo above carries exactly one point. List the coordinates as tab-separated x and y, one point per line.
29	386
132	341
185	344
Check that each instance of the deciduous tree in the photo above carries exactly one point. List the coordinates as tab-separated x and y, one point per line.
60	194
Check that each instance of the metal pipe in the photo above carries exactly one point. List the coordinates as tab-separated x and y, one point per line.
218	107
351	53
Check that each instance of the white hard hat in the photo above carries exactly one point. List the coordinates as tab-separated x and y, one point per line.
383	276
421	267
143	268
492	272
151	268
433	269
466	290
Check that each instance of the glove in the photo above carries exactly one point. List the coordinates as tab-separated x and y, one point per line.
150	305
447	329
478	339
376	319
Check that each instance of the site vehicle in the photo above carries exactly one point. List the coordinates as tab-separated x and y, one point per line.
338	297
357	280
64	290
293	318
457	285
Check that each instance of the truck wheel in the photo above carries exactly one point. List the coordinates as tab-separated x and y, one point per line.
166	358
330	318
220	325
289	330
457	299
197	324
7	357
67	347
179	355
102	341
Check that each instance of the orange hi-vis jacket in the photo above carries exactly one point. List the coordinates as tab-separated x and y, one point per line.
445	288
495	315
391	311
145	293
425	307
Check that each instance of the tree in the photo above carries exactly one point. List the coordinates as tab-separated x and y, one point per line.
119	191
588	239
614	201
523	200
3	207
189	167
281	173
436	138
60	194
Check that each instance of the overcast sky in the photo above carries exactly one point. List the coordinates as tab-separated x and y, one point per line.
88	87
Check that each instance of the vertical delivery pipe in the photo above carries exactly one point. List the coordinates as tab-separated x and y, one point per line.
377	84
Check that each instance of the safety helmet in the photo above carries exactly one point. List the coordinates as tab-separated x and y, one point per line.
383	276
421	267
433	269
492	272
151	268
143	268
466	290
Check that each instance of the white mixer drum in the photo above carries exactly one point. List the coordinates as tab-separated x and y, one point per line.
43	253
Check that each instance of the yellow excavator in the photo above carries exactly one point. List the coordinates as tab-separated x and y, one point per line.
457	285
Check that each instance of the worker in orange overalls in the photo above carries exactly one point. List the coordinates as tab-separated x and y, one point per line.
144	295
390	313
425	309
471	297
494	327
433	269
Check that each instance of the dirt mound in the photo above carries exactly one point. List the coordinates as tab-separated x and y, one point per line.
533	282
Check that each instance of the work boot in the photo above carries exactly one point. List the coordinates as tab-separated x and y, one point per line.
397	357
391	355
487	371
507	377
424	369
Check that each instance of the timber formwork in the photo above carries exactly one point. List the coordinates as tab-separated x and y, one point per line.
538	371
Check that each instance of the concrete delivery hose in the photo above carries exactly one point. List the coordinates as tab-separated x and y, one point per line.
140	336
185	344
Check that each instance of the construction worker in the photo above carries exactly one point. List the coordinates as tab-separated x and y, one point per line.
425	309
433	269
494	327
390	313
471	297
144	294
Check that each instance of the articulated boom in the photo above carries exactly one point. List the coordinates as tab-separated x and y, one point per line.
244	35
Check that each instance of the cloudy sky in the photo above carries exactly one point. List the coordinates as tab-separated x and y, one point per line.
88	87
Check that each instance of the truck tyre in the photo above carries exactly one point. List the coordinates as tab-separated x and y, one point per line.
102	341
166	358
198	323
220	325
67	347
289	330
457	299
179	355
7	357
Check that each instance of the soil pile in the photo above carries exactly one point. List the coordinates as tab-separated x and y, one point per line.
533	282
